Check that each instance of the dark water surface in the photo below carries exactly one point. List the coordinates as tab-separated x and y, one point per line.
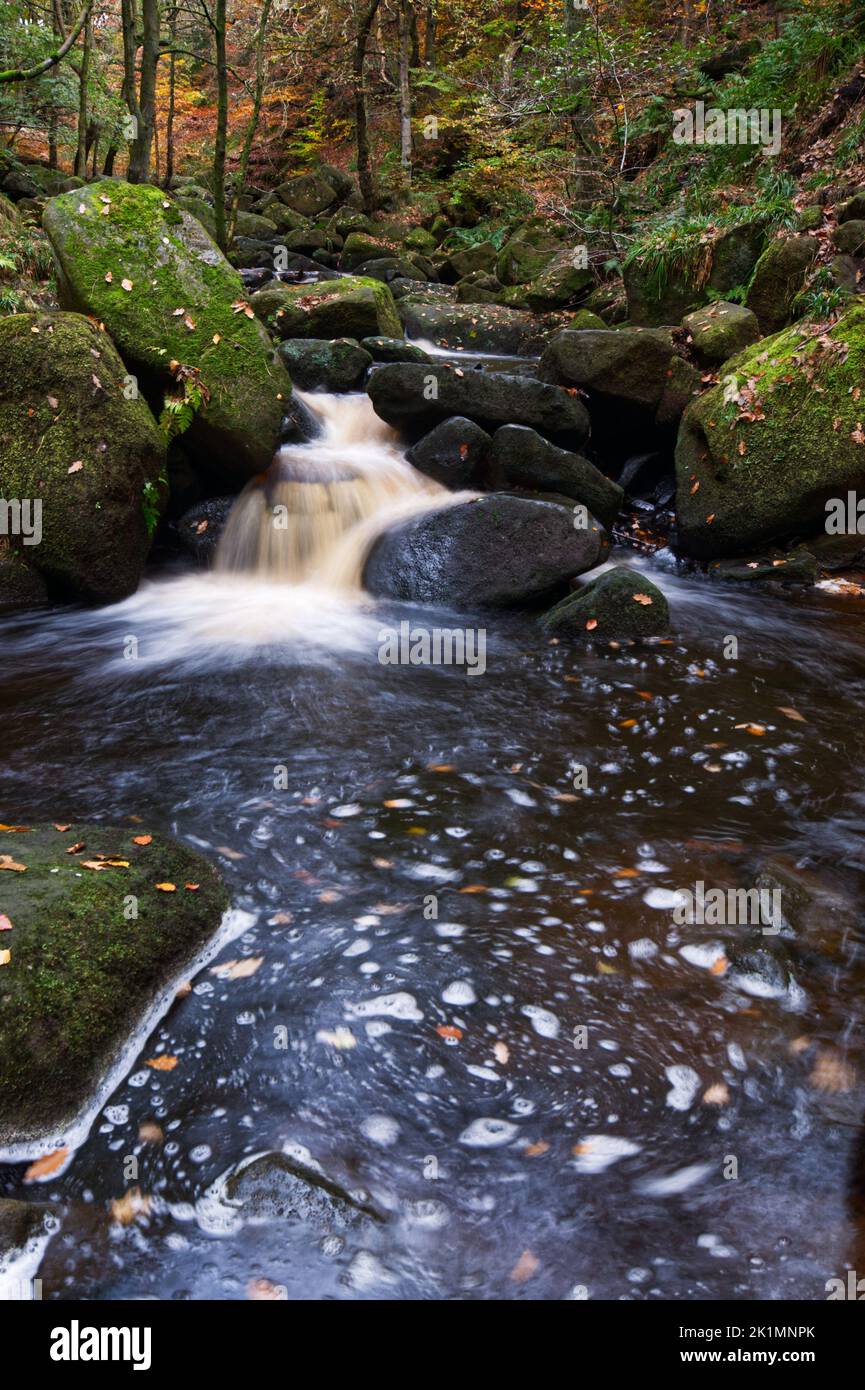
511	1161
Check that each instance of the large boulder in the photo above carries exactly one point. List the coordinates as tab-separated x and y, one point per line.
414	396
499	551
561	283
360	247
778	278
103	921
621	603
148	270
661	293
634	378
338	365
521	458
308	194
720	331
760	454
453	453
75	437
490	328
481	256
350	307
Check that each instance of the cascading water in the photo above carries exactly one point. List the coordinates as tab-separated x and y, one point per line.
312	517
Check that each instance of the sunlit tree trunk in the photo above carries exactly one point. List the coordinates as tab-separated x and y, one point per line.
404	89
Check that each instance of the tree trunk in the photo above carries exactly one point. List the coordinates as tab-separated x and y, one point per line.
110	156
169	125
429	38
144	108
257	96
221	144
364	167
80	165
404	89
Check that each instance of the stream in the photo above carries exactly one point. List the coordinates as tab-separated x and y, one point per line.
473	1001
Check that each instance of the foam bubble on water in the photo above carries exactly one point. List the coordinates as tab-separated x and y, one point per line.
380	1129
597	1152
684	1085
488	1133
702	954
459	992
642	949
543	1021
399	1005
665	899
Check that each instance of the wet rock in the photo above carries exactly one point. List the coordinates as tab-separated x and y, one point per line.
452	452
621	603
349	307
719	331
522	458
415	397
496	552
778	278
171	263
819	911
634	379
474	327
278	1187
200	528
394	350
70	438
21	586
21	1222
744	483
761	971
793	567
317	363
84	973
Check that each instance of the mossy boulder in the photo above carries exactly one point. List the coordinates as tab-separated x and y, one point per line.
620	604
251	224
481	256
849	237
583	319
359	247
21	586
760	454
478	287
394	350
419	239
76	437
854	208
92	952
350	307
659	296
180	308
338	365
778	278
561	283
720	331
199	209
308	194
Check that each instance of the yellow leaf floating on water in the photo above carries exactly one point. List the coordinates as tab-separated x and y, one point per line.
149	1132
526	1266
717	1095
756	729
44	1167
535	1150
162	1063
238	969
792	713
132	1206
502	1053
832	1073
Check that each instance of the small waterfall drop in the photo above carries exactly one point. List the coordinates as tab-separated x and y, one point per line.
313	516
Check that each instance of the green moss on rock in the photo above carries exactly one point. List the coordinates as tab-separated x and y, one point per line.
64	406
351	307
622	603
84	972
742	482
113	232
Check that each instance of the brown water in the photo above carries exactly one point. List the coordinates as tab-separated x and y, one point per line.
608	1163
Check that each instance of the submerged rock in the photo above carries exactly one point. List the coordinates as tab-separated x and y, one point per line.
276	1186
522	458
85	971
760	455
416	397
75	440
622	603
499	551
149	272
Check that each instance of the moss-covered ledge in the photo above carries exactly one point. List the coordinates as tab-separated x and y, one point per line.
92	949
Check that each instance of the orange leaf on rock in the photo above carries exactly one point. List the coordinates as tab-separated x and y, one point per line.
142	839
166	887
7	862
